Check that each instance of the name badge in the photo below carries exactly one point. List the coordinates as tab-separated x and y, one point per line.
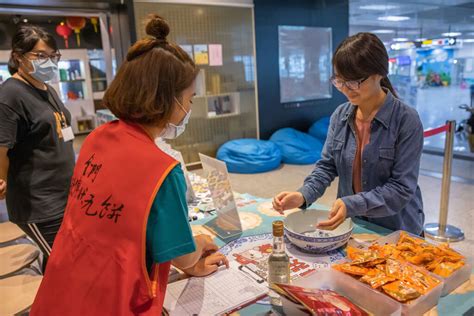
68	134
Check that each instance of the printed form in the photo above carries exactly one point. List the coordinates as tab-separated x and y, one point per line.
219	293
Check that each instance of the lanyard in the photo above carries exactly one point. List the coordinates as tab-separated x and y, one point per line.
56	108
53	104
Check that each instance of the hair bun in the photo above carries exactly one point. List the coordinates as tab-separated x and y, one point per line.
157	27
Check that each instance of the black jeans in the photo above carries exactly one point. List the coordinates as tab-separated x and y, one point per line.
43	235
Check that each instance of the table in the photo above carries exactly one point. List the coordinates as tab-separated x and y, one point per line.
257	216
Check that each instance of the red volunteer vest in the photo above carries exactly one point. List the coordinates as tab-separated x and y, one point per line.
97	265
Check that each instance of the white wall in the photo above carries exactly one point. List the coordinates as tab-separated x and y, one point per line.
467	51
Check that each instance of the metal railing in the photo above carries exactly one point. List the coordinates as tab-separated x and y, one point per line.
442	231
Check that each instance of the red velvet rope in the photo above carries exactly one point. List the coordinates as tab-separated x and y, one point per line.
435	131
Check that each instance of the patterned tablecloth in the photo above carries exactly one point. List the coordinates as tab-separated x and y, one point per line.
257	215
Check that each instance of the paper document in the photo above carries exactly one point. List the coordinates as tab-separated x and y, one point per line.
217	294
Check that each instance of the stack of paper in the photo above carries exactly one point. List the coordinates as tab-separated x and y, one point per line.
226	290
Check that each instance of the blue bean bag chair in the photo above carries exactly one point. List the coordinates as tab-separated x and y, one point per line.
320	129
249	155
296	147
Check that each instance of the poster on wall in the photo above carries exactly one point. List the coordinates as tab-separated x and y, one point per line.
201	55
225	104
215	55
188	49
304	63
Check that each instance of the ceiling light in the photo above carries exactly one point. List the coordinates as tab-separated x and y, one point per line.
468	40
452	34
383	31
393	18
25	20
400	39
421	39
378	7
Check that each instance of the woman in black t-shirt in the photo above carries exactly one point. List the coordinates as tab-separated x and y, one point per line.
36	151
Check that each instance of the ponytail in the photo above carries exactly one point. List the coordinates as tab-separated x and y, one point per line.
360	56
385	83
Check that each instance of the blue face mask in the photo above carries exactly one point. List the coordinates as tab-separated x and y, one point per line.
172	131
45	71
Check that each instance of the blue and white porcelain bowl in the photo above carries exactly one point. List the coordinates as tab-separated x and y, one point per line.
300	229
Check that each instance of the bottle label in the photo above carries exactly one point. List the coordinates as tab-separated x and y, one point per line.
279	272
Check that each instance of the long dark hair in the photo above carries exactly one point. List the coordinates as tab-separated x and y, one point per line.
24	40
360	56
155	74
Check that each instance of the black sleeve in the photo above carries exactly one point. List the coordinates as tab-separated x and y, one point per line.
9	122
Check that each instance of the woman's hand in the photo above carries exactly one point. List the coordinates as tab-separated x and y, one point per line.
337	215
204	246
208	265
287	200
205	243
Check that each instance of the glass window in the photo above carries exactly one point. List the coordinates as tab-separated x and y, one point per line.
220	39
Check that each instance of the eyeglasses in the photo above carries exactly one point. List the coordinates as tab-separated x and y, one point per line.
43	57
351	84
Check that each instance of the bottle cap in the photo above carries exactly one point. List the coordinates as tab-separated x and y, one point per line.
278	228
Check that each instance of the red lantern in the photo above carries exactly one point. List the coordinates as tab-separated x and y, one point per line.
94	22
77	24
64	31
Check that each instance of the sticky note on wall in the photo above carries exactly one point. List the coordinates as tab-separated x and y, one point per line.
215	55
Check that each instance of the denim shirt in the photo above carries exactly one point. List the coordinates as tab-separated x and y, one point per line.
390	194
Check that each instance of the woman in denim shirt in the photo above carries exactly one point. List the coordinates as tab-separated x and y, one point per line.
374	145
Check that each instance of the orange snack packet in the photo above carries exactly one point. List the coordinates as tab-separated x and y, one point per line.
401	291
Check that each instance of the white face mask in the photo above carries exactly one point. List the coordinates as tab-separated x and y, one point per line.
44	72
172	131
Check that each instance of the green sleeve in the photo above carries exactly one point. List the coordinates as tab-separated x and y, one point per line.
168	232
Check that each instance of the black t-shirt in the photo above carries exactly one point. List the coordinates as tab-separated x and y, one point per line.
41	163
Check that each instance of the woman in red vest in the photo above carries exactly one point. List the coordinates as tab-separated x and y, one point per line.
126	218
